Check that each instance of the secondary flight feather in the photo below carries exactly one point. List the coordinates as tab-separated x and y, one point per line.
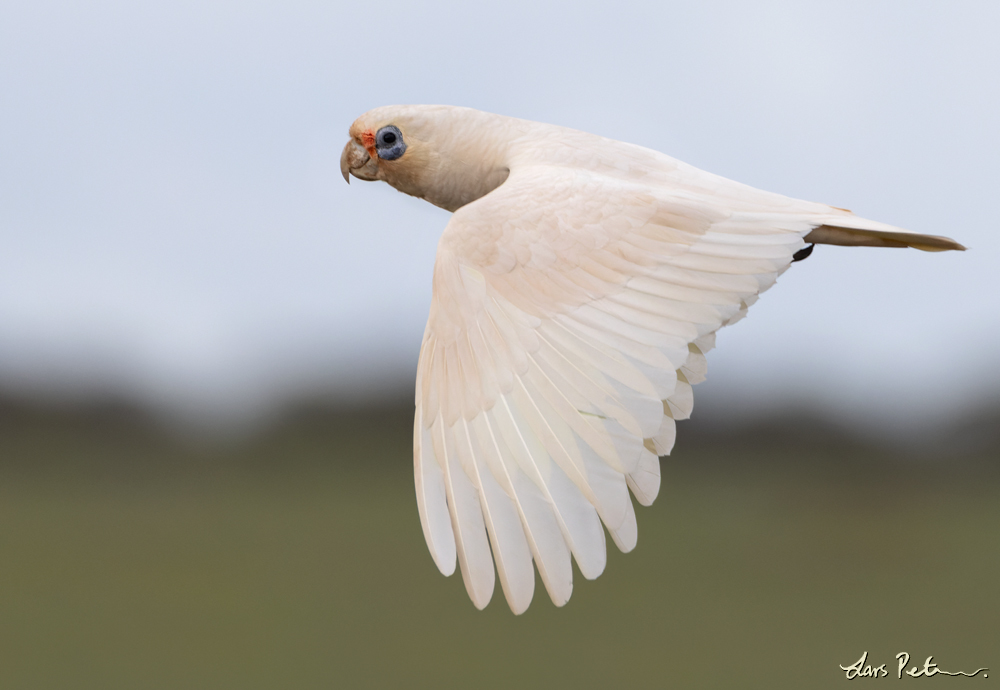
576	291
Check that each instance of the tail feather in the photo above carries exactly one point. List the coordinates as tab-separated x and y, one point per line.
851	231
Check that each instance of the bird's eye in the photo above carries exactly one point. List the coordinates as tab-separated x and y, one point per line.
389	143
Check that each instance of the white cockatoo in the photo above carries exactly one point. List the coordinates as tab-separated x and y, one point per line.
577	288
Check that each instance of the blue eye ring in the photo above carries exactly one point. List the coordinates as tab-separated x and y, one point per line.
389	143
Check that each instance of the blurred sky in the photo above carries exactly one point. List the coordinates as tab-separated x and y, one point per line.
173	224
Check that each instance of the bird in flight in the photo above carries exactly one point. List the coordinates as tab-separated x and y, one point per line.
577	288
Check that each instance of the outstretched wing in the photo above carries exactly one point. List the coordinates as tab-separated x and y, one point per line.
571	314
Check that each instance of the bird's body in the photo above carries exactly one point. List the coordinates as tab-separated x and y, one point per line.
577	288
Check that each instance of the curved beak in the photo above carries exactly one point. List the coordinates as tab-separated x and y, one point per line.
356	161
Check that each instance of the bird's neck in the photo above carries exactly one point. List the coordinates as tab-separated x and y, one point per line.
468	160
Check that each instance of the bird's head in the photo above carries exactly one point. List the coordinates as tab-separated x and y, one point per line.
377	146
446	155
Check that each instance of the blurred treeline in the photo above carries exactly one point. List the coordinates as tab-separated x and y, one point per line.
134	553
116	437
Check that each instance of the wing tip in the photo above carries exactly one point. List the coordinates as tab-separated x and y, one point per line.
442	563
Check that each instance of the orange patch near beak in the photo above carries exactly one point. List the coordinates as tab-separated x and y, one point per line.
368	141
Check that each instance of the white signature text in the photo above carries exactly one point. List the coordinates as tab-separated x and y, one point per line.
862	669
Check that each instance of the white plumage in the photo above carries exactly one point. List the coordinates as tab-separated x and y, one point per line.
577	289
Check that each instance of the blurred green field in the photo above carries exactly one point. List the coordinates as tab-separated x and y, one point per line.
294	559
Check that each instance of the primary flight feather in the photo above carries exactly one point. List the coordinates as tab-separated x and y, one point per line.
577	288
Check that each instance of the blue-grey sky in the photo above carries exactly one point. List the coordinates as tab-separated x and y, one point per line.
173	224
